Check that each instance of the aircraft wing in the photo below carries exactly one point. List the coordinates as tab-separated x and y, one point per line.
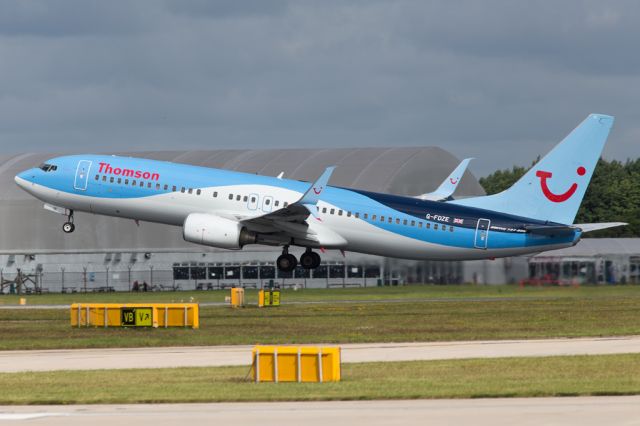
291	221
449	185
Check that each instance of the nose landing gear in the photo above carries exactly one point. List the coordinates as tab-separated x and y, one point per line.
68	227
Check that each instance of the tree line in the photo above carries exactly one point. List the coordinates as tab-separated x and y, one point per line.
613	195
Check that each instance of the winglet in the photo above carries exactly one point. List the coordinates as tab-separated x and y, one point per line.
312	196
449	185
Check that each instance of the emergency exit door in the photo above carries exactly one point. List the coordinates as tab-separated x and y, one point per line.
82	175
482	233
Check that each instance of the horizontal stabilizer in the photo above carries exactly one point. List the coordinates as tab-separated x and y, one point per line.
588	227
556	230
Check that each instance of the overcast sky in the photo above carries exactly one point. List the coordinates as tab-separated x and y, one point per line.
501	81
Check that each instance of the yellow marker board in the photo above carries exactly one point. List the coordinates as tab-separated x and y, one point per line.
137	317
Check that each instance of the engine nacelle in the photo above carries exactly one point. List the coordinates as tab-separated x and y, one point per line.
216	231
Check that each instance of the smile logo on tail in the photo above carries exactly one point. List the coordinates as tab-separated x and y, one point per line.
558	198
453	181
317	191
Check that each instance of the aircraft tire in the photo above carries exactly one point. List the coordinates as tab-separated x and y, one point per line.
287	262
68	227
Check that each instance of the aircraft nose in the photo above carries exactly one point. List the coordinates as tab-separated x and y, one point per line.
22	178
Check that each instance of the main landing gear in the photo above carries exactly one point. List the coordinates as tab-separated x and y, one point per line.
287	262
68	227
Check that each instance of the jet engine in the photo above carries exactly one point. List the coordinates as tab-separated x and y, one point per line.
216	231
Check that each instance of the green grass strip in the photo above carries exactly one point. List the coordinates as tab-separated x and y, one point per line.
411	321
477	378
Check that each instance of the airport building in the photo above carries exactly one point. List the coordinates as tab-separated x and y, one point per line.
106	254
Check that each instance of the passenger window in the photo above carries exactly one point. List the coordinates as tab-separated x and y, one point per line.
245	198
348	214
324	210
366	215
119	180
413	223
404	222
215	194
357	215
183	189
141	184
381	218
451	229
373	217
428	225
419	224
198	192
397	221
339	212
285	204
149	185
435	226
157	186
253	199
444	227
111	179
332	211
166	186
190	190
231	196
126	181
104	178
277	203
238	197
133	182
390	219
97	177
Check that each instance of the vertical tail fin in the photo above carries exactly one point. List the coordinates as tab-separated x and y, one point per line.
553	188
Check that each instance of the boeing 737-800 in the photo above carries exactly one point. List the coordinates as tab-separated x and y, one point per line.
229	210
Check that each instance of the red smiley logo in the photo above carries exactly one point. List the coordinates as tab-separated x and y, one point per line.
558	198
453	181
317	191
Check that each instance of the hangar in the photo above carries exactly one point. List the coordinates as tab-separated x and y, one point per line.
109	253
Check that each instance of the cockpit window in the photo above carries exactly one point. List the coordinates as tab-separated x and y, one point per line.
48	167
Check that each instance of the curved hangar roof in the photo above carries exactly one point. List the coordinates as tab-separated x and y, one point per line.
26	227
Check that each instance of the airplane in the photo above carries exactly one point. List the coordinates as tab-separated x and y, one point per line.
229	210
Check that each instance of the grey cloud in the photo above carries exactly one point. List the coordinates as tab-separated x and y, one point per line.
501	83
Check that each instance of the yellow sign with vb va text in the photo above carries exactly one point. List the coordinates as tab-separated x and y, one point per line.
137	317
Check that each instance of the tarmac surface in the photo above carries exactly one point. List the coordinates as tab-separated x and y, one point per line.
584	411
205	356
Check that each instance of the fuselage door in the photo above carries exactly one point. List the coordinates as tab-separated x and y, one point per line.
482	233
252	203
82	175
267	203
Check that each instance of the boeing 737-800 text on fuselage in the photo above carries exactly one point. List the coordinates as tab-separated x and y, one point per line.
229	210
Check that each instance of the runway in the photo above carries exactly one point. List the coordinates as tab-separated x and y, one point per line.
584	411
203	356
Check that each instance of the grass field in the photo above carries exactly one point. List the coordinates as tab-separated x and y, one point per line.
419	313
502	377
413	292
